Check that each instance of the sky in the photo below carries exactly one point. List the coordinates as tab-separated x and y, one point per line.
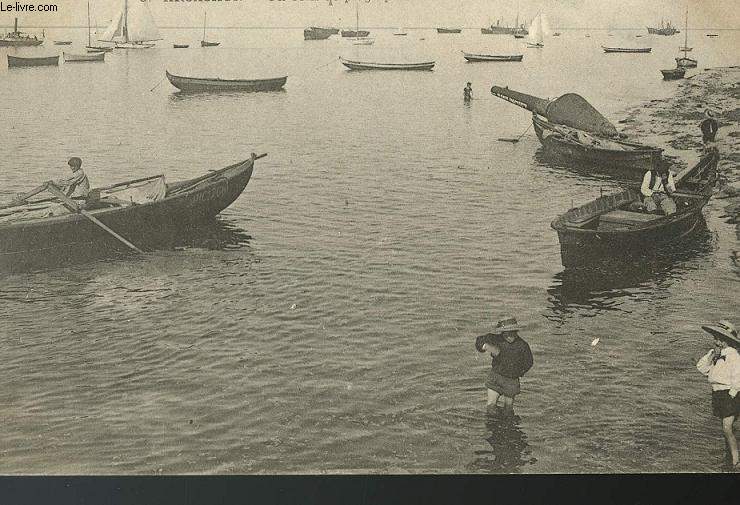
606	14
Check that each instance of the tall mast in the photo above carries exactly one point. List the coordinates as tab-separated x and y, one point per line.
205	15
125	20
686	33
357	17
89	42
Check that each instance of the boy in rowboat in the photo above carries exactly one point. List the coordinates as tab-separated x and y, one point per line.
76	186
511	358
657	186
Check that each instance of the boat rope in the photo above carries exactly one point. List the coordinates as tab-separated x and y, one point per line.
318	67
157	85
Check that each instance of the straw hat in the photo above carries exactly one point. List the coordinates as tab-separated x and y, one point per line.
507	324
724	330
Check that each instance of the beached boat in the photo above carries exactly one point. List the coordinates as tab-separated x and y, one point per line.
132	27
571	127
195	84
42	61
30	237
449	30
618	225
476	57
627	49
673	73
79	58
16	38
367	65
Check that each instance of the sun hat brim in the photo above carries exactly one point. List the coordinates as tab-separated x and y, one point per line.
716	331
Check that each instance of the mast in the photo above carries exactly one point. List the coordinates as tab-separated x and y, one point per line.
205	16
16	26
89	42
357	17
125	21
540	35
686	33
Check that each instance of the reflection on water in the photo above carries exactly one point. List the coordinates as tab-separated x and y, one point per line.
599	285
215	234
509	451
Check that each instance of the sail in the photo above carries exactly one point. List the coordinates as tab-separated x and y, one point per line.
141	26
536	33
569	110
114	31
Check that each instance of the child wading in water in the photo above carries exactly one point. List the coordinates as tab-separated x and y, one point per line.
722	366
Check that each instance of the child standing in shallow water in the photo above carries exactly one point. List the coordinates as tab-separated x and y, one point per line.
722	366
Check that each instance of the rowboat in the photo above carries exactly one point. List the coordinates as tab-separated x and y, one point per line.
191	84
583	147
43	61
79	58
366	65
27	241
626	49
449	30
99	49
62	42
571	127
474	57
616	225
673	73
180	46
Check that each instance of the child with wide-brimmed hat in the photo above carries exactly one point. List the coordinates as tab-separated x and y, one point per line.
722	366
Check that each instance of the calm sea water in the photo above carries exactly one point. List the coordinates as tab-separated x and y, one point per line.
325	323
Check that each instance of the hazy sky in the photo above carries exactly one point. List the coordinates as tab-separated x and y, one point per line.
392	13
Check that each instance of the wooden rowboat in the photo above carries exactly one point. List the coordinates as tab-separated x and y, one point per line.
673	73
612	225
63	239
366	65
44	61
205	43
79	58
626	49
180	46
686	62
449	30
62	42
580	146
193	84
473	57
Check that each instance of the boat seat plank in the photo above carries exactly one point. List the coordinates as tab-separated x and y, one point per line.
628	217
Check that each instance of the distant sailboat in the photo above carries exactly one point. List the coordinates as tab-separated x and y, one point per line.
400	32
132	27
536	33
204	42
361	37
686	62
90	47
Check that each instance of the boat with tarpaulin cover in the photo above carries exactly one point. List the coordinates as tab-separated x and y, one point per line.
570	126
617	224
41	232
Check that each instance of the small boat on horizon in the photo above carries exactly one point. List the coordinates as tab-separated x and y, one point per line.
627	49
449	30
62	42
476	57
204	42
180	46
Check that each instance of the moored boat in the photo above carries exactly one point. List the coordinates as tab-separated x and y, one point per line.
449	30
16	38
99	49
314	33
673	73
42	61
204	42
685	61
195	84
132	27
476	57
79	58
367	65
180	46
27	241
355	33
62	42
627	49
663	29
617	224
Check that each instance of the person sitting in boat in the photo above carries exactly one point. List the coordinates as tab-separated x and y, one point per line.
77	186
657	188
468	92
708	127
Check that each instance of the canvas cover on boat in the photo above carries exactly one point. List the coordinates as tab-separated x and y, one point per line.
570	110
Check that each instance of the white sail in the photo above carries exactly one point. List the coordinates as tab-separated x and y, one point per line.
141	26
114	31
536	32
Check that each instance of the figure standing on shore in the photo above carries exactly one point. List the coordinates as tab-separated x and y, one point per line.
722	366
708	127
468	92
511	358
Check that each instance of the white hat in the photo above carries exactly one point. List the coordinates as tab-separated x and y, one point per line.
724	330
507	324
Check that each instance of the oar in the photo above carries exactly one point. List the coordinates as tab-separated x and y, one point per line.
20	200
72	205
516	139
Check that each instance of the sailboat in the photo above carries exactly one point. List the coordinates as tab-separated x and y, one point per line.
361	37
536	33
519	31
90	47
686	62
132	27
17	38
204	42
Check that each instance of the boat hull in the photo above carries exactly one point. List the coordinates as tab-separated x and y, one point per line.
98	49
360	65
686	63
627	49
205	43
673	74
81	58
492	57
637	160
17	61
355	33
65	239
317	34
20	42
449	30
192	84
